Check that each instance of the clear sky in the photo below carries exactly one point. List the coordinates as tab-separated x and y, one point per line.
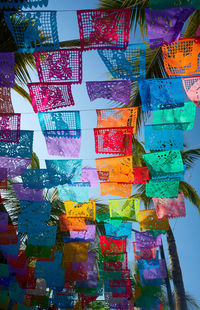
186	230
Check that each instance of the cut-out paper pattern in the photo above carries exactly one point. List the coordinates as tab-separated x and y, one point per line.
162	139
148	221
144	253
104	28
179	118
58	66
10	236
125	230
156	4
65	171
88	235
75	252
113	140
191	86
22	3
110	246
71	224
81	210
38	251
159	272
120	117
37	178
77	192
5	100
141	175
27	193
115	169
46	238
162	188
170	208
33	30
14	166
119	90
164	163
7	75
3	174
127	65
59	144
158	94
146	240
126	209
89	175
10	127
49	96
64	120
182	57
36	208
21	149
117	189
164	26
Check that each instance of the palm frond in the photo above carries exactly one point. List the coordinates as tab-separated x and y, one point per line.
22	92
190	193
35	163
190	157
193	25
137	13
140	193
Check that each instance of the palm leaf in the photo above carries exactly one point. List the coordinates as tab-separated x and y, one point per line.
190	157
21	91
190	193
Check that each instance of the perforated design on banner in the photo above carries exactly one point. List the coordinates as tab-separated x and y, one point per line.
117	189
110	246
50	96
88	235
148	221
162	188
128	64
3	222
159	272
120	117
179	118
156	139
58	66
72	224
144	253
46	238
81	210
125	230
170	208
21	149
65	171
33	30
164	26
27	193
126	209
75	252
10	127
191	86
89	175
165	162
10	236
159	94
113	140
59	144
182	57
5	100
14	166
7	74
64	120
22	3
119	91
77	192
115	169
104	28
146	240
37	178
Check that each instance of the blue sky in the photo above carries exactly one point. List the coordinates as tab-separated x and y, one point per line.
186	230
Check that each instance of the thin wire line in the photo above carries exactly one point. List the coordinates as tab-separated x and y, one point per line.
86	110
134	6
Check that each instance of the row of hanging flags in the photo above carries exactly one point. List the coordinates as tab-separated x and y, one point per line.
37	272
